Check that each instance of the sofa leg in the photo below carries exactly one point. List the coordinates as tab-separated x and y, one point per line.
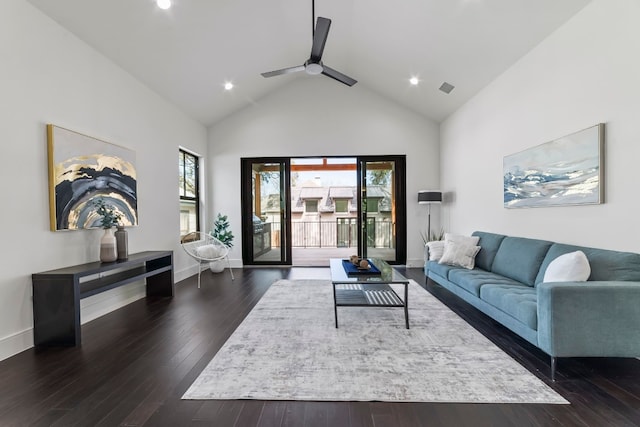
554	364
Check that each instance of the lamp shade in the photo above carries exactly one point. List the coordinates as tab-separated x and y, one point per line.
428	196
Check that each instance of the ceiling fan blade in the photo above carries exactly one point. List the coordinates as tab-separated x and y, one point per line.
330	72
320	38
284	71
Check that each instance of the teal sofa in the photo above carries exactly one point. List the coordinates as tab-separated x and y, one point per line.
596	318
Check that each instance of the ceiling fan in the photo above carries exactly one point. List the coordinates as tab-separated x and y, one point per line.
314	64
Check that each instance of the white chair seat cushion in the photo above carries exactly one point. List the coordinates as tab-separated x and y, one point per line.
571	267
208	251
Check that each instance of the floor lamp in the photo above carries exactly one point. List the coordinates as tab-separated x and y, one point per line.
427	197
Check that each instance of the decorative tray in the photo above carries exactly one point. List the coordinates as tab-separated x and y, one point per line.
353	270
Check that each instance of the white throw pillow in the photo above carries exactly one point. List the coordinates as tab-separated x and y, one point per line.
457	238
460	254
571	267
436	249
207	251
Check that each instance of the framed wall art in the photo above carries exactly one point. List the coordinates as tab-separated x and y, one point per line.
562	172
83	169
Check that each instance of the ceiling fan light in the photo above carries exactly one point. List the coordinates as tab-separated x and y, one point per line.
313	69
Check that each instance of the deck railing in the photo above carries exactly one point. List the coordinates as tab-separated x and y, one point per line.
331	234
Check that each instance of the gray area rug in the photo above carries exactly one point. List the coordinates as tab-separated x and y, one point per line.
288	348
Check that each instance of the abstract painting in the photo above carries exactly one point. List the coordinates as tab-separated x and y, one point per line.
565	171
83	169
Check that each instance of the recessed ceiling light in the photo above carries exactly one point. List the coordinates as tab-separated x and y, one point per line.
414	81
163	4
228	86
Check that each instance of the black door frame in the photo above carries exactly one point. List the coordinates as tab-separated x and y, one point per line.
246	194
400	191
285	217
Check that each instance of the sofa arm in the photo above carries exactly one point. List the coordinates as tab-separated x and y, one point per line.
589	319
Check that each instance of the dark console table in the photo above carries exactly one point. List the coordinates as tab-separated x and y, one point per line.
57	293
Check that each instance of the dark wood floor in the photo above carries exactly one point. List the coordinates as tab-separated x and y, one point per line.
136	362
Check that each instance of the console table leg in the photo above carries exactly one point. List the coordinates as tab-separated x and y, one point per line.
56	312
160	284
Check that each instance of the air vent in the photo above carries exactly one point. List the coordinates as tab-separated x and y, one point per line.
446	87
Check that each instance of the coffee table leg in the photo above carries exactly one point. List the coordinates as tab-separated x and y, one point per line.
406	304
335	305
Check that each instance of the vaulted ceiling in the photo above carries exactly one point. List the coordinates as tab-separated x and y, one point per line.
188	52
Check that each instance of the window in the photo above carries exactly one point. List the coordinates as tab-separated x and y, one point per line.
372	204
342	206
311	206
189	192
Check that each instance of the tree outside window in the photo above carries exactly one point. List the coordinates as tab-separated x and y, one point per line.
189	192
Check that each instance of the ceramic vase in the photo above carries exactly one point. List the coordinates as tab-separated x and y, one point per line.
122	242
108	251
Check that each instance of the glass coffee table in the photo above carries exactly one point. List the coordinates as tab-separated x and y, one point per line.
368	290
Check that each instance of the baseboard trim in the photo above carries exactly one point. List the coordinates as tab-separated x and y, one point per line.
93	308
90	309
16	343
98	305
415	263
180	275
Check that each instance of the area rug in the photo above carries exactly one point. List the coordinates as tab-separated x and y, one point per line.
288	348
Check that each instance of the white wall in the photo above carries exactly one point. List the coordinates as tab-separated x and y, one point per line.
49	76
315	116
585	73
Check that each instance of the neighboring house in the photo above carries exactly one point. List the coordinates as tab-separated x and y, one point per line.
326	216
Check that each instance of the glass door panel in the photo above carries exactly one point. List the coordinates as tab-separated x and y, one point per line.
382	208
265	211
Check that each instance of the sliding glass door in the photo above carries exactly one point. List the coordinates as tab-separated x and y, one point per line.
265	211
382	201
323	217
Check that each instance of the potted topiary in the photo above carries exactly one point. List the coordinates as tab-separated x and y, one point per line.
224	235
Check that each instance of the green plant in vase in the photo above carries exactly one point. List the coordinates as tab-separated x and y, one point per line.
434	237
224	235
221	230
109	217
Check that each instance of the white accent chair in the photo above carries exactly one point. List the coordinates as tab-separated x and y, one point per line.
205	249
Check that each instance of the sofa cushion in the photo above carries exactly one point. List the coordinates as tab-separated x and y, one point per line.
459	238
519	258
518	301
436	249
441	270
473	280
489	244
460	254
605	264
571	267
